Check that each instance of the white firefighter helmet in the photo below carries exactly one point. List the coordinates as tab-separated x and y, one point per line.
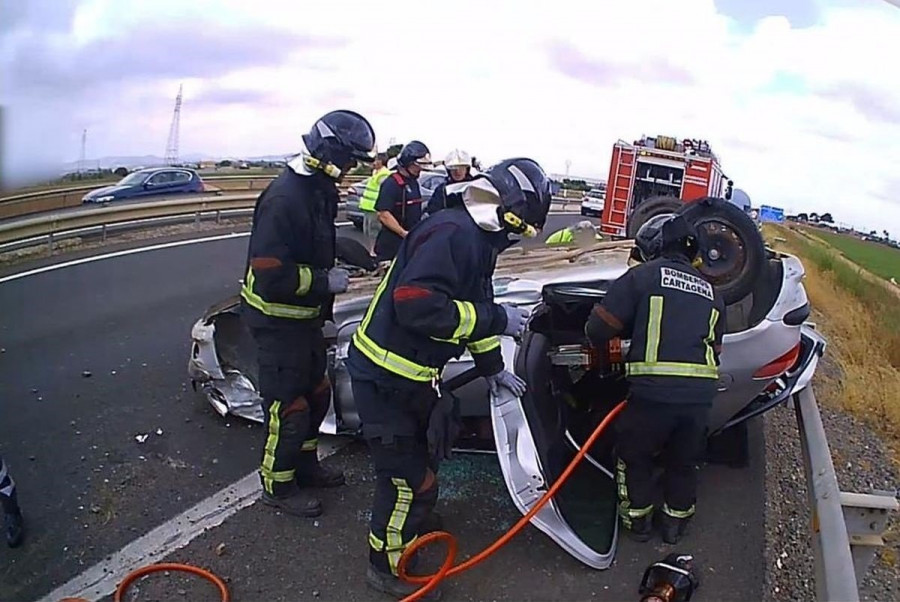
392	163
457	158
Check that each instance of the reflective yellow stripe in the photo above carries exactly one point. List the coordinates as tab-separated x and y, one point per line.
394	531
626	512
382	357
376	542
671	369
653	323
638	512
467	319
270	476
679	513
277	310
310	445
304	280
710	354
484	345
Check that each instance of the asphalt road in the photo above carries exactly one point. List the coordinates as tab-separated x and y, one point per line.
88	487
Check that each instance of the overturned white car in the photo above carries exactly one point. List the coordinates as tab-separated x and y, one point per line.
769	353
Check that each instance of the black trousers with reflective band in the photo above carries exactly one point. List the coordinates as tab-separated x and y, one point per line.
295	397
675	431
7	490
395	423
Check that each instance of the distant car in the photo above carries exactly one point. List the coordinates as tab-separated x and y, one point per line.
428	181
592	203
154	181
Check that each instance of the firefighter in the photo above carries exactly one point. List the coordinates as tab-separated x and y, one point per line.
371	225
459	169
288	293
399	203
584	232
435	301
675	321
13	520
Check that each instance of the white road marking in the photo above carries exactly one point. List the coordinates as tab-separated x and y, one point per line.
103	578
168	245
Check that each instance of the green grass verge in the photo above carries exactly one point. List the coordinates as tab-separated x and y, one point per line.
879	259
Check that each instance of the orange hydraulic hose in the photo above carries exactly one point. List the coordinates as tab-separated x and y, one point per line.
170	566
447	569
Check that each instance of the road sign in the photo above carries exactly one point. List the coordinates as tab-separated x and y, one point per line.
771	214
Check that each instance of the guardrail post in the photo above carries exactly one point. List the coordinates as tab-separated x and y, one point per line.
50	244
103	233
197	220
218	216
835	573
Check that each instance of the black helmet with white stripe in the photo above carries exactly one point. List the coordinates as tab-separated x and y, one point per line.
338	140
525	194
664	234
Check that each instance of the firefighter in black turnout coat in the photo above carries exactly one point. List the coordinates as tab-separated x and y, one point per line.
675	321
435	301
288	292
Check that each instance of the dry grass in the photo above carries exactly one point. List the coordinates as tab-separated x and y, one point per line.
861	321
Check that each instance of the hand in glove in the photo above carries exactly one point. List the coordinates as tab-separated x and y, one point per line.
443	427
508	380
516	320
338	280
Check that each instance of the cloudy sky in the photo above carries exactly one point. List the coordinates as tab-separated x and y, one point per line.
802	104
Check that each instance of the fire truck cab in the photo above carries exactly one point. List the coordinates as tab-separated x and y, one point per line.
654	175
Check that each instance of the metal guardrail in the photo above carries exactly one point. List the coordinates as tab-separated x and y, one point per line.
102	220
846	528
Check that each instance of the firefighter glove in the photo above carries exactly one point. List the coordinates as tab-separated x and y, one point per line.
507	380
516	320
338	280
443	427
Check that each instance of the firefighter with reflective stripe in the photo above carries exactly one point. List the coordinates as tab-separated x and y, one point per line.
399	203
459	169
288	292
584	232
13	521
380	171
434	303
675	320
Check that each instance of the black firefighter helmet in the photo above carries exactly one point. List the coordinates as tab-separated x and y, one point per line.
665	234
525	194
337	141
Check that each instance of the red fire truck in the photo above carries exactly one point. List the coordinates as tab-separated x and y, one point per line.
655	175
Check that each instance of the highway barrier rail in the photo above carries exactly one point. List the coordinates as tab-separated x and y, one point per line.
846	528
101	220
52	199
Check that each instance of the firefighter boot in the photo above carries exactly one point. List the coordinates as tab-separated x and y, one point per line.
297	503
311	473
391	585
641	529
15	529
432	522
672	529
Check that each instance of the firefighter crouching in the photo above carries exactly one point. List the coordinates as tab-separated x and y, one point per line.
675	321
435	301
288	292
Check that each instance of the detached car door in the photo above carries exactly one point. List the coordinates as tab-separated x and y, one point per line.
534	446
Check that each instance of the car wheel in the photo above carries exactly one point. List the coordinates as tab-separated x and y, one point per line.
652	207
734	253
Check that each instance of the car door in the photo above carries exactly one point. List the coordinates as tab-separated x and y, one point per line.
157	184
535	441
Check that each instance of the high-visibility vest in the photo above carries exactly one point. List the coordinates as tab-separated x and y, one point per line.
560	237
370	194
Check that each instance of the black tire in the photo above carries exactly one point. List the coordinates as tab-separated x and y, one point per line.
734	251
652	207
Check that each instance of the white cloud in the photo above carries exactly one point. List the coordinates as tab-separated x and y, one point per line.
805	118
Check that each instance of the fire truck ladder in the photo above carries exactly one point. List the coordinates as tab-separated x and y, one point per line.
621	186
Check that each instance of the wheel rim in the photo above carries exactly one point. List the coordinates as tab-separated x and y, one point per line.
725	254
